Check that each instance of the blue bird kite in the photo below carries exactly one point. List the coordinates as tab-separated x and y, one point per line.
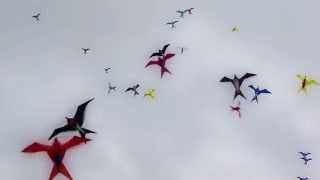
257	92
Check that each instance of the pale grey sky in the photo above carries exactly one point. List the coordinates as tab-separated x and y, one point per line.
188	132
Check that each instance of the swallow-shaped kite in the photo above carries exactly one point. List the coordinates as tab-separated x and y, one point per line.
75	123
305	82
189	10
111	88
181	13
56	153
106	70
236	109
235	29
85	50
302	178
236	82
305	157
161	52
304	154
257	92
172	23
162	63
150	93
306	160
36	17
134	89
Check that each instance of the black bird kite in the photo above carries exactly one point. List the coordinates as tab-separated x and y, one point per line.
85	50
161	52
236	82
36	17
172	23
134	89
75	123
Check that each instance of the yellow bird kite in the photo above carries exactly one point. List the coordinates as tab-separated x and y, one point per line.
305	82
150	93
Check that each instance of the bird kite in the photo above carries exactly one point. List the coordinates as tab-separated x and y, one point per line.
56	153
85	50
305	82
150	93
161	52
106	70
305	157
236	109
36	17
181	13
172	23
257	92
235	29
301	178
133	89
162	63
111	88
236	82
189	10
75	123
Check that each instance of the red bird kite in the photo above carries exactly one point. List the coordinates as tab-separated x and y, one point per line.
162	63
56	153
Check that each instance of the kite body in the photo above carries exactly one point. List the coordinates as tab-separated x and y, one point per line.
257	92
162	62
111	88
56	152
305	83
150	93
75	123
237	82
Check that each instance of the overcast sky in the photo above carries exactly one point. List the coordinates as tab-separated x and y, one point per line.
188	132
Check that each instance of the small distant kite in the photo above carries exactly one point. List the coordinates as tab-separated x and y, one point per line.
301	178
36	17
257	92
305	82
56	153
189	10
85	50
111	88
160	52
305	157
150	93
172	23
181	13
236	109
162	63
106	70
236	82
235	29
75	123
134	89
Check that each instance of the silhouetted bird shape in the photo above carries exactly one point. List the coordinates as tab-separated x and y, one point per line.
172	23
37	17
161	52
106	70
162	63
75	123
85	50
302	178
189	10
134	89
235	29
306	160
111	88
257	92
304	154
181	13
56	152
236	82
306	82
236	109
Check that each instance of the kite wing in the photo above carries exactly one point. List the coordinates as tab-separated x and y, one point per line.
311	81
246	76
129	89
60	130
153	63
299	76
265	91
226	79
155	54
165	48
79	116
251	86
168	56
36	147
74	141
